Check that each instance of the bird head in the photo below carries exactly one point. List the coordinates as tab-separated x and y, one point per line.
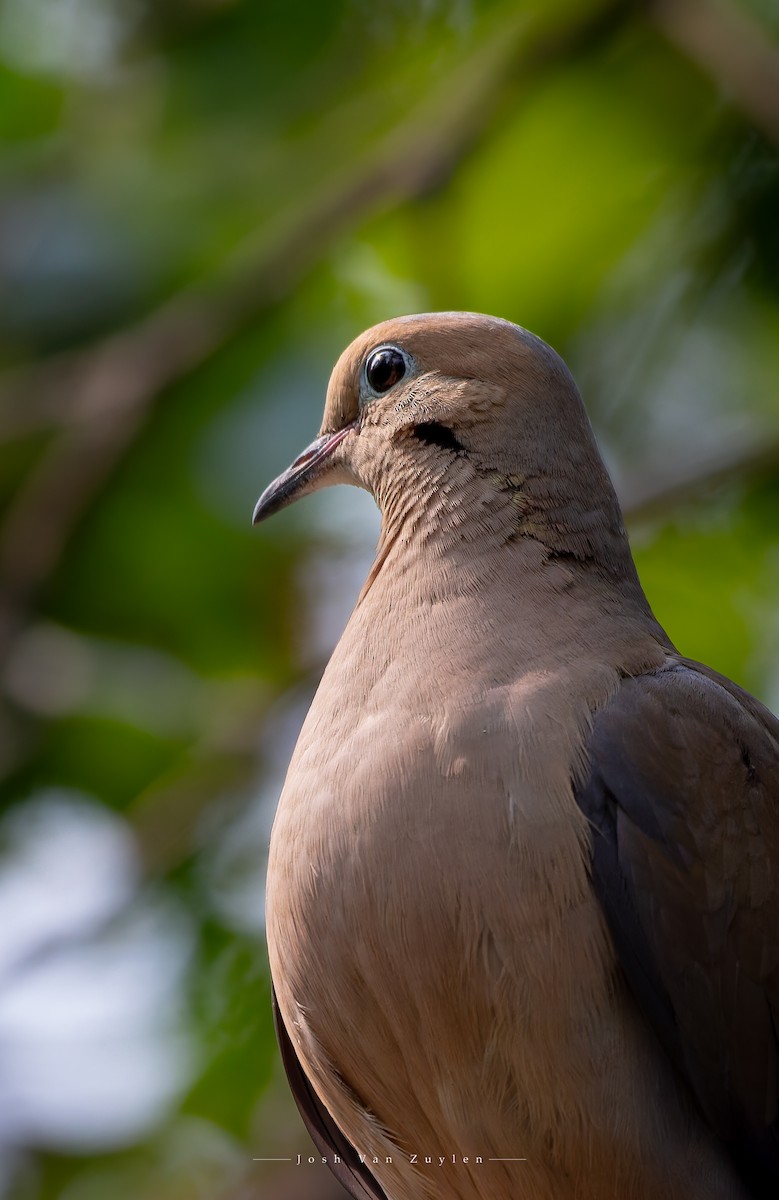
461	404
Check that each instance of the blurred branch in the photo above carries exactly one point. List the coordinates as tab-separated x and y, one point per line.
48	506
128	368
102	395
650	499
731	48
99	397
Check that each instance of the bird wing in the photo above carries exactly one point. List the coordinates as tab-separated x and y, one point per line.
682	793
350	1172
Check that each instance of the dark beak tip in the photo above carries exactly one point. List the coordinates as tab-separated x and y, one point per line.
271	500
304	470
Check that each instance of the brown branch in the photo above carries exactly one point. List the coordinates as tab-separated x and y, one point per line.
732	49
649	499
129	367
101	395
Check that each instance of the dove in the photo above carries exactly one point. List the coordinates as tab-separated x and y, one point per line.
523	879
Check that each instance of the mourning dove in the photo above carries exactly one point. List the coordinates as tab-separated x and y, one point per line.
523	886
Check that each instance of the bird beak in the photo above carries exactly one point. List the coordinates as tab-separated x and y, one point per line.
300	478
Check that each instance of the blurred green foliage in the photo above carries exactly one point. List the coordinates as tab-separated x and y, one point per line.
202	202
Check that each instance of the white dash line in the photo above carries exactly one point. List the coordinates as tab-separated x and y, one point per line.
271	1160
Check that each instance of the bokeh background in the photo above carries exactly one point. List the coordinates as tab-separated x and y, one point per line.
201	203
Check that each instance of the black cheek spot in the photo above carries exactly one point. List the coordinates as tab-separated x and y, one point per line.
432	433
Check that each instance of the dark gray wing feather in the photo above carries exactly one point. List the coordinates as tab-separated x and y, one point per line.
682	792
325	1134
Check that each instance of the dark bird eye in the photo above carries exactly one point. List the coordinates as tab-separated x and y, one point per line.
384	369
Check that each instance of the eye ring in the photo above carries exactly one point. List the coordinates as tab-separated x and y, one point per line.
384	368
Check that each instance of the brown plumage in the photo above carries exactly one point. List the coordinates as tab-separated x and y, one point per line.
522	891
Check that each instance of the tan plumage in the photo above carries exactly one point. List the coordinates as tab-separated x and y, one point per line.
442	945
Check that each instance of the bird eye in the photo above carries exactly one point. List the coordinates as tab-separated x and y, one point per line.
385	368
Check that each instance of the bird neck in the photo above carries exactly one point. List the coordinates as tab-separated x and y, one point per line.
463	539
